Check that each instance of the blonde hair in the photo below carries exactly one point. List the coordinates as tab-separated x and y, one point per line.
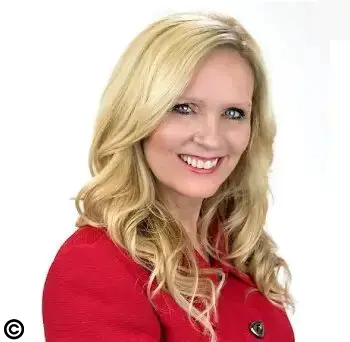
153	71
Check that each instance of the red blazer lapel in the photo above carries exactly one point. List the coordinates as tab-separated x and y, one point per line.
219	242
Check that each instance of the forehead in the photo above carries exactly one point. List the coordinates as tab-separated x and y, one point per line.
223	76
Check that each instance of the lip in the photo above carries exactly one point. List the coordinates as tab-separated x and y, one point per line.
200	157
202	171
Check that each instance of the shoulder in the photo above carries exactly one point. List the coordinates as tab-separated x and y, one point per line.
90	251
93	287
87	238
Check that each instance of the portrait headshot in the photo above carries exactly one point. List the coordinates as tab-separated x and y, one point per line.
170	242
174	172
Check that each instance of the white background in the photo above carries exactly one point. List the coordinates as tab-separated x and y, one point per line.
56	57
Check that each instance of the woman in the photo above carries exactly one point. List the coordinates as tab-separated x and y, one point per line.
171	243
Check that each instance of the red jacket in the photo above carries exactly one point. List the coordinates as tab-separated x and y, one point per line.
93	292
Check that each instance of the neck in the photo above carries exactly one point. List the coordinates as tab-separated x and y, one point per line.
185	209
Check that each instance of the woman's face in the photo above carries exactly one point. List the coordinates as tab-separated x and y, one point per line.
209	128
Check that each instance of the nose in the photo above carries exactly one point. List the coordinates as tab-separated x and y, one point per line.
208	132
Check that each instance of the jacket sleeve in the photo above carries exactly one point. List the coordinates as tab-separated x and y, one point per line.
89	295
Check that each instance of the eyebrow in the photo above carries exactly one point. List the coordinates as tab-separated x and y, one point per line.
231	104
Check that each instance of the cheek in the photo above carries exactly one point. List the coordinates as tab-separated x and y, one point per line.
152	149
169	137
161	147
239	140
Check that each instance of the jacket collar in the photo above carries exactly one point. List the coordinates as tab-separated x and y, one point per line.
218	238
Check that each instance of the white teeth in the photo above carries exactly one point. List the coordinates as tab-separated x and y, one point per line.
198	163
207	164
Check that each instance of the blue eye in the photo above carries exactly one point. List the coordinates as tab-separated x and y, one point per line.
181	105
181	109
234	116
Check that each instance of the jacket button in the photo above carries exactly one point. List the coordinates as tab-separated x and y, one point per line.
257	329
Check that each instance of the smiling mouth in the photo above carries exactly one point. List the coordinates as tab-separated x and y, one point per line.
201	166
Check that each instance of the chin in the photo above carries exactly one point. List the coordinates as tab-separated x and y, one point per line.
198	192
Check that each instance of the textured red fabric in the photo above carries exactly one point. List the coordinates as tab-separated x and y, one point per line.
94	291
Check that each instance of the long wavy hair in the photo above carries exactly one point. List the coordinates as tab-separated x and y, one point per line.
121	196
